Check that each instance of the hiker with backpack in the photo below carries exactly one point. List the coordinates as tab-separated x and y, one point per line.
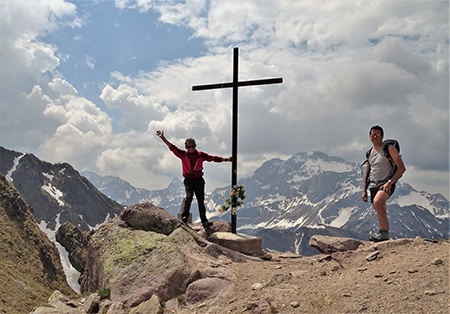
384	168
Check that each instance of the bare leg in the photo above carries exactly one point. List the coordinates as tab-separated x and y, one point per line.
379	203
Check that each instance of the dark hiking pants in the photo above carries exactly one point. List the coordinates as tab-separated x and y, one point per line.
194	186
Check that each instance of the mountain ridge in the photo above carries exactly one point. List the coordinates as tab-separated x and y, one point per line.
57	190
307	190
313	189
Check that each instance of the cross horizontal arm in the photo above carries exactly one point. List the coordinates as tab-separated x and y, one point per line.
243	83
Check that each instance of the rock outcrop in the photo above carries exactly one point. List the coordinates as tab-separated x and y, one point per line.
145	252
147	261
75	241
30	266
408	273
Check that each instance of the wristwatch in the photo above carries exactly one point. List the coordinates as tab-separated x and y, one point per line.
390	181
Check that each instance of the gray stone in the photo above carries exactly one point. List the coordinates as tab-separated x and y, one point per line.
135	264
221	273
152	306
148	217
172	305
295	304
91	304
207	289
260	307
239	242
116	308
329	245
46	310
266	257
437	261
372	256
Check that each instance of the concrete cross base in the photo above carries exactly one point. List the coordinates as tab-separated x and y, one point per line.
238	242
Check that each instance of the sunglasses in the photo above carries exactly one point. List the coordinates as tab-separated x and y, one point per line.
190	146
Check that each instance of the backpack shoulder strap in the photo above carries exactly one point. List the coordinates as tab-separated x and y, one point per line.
367	157
386	145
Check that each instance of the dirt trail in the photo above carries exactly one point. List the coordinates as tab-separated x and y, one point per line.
407	278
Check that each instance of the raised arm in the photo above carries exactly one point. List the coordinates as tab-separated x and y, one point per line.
160	134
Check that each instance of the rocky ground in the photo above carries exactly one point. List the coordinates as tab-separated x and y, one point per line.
397	276
403	278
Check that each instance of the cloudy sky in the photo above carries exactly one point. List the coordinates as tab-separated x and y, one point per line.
89	83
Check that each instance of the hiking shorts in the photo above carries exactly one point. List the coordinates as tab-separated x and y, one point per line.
374	191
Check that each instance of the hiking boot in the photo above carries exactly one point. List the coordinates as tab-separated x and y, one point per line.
207	224
382	235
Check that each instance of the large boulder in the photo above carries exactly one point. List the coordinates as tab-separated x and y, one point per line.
146	252
148	217
135	264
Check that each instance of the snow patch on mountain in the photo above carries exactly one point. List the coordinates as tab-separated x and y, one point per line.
422	199
413	197
48	176
343	217
13	168
72	275
326	166
53	192
348	189
268	199
297	178
281	224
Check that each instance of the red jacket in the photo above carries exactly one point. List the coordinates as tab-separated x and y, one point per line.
193	163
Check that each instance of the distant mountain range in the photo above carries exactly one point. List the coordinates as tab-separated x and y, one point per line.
287	201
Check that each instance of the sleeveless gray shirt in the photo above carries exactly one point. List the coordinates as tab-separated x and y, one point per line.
380	168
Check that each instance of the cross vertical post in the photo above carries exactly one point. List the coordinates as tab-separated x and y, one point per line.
235	85
234	134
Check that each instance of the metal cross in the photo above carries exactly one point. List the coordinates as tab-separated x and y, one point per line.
235	84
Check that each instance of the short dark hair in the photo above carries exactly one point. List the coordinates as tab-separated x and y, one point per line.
189	140
377	127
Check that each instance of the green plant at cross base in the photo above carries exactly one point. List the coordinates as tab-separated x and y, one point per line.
237	192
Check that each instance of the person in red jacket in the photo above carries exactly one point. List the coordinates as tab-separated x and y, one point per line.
192	164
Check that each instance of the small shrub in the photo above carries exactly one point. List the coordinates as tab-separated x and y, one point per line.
104	293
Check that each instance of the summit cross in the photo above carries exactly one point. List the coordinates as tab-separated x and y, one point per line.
235	84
